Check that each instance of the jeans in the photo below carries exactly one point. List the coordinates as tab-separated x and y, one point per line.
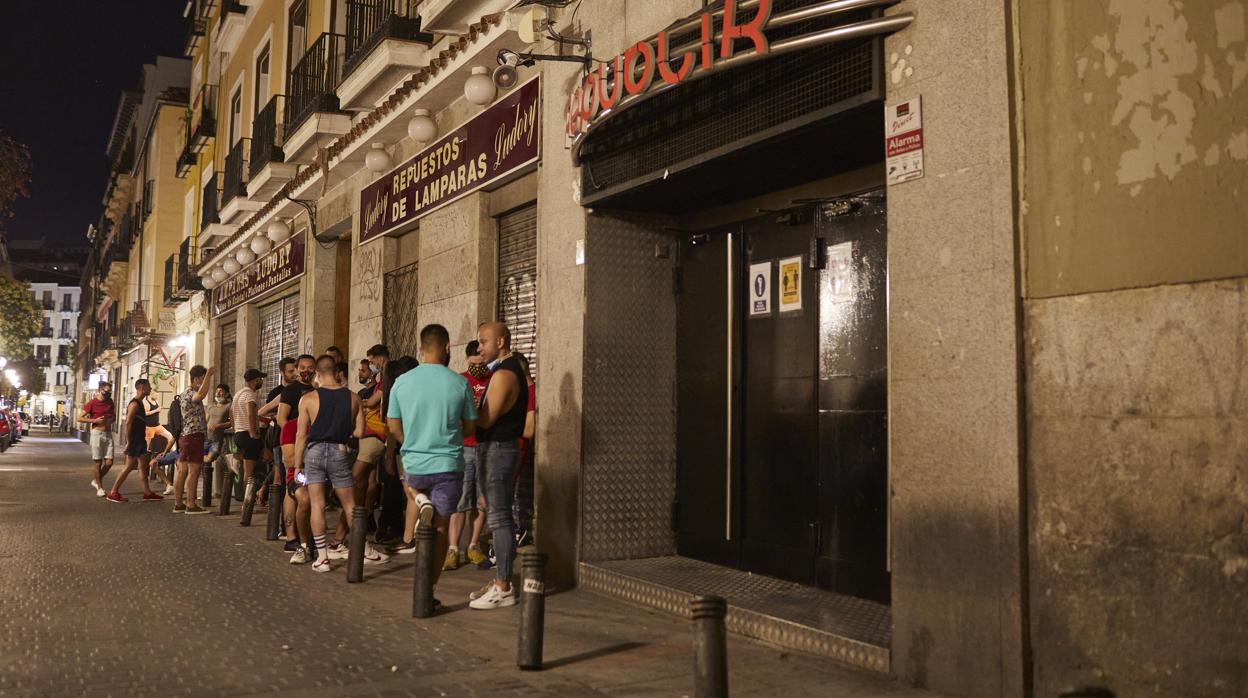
499	458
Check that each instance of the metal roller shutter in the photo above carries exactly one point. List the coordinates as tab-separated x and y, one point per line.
279	335
401	325
228	371
517	280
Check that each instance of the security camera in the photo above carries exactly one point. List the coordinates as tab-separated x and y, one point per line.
505	75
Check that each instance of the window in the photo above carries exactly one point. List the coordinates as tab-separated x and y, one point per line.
48	303
43	352
65	327
296	34
262	78
236	115
67	302
62	355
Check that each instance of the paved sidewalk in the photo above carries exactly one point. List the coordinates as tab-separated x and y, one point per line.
105	599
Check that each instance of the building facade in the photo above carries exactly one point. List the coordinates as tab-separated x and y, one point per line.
126	325
885	318
54	348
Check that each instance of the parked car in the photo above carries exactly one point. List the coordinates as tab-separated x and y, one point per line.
23	422
6	435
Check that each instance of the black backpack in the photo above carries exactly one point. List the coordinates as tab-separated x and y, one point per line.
175	418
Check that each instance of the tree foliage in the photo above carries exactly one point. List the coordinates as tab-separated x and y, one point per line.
20	318
15	170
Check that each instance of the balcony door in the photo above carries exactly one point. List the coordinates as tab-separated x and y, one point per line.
262	80
236	115
296	34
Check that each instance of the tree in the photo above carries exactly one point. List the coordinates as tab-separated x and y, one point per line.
15	168
20	319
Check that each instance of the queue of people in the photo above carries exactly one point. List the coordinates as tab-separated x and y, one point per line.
417	446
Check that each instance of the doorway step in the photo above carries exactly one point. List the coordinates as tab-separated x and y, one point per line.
853	631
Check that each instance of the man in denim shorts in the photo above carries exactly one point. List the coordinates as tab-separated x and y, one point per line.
471	502
328	417
431	411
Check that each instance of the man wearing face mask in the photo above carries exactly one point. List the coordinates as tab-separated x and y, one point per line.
100	413
218	424
470	502
371	450
297	514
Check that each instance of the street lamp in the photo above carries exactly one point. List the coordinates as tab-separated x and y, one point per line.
11	375
3	362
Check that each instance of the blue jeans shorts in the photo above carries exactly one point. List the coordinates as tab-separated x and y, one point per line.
325	462
443	489
474	481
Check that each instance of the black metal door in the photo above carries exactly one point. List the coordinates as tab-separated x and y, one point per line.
704	357
853	399
778	486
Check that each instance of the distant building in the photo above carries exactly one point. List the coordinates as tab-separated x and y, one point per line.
52	273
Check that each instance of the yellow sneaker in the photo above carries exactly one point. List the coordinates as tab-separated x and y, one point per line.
475	556
452	560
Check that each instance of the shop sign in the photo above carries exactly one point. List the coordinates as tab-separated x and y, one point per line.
283	263
903	141
632	73
492	148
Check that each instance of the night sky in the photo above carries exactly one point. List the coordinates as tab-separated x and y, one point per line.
62	69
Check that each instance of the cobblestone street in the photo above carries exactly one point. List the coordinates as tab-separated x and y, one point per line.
103	599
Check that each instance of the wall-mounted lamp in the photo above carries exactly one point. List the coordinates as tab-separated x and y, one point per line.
422	128
377	160
244	255
278	231
231	265
479	88
261	244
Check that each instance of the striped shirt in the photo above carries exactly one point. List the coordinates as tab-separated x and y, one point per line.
243	397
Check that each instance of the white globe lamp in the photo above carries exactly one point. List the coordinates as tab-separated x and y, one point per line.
231	266
218	275
378	160
422	128
278	231
261	244
208	283
479	88
245	255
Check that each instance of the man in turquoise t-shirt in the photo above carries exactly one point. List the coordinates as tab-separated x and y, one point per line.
431	411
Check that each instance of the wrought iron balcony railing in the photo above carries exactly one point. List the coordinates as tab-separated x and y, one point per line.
203	118
149	200
267	135
314	80
235	182
210	205
369	22
188	282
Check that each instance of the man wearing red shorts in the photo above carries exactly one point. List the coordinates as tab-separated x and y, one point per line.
191	442
296	506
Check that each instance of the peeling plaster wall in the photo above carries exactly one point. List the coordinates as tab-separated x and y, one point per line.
1134	155
1136	143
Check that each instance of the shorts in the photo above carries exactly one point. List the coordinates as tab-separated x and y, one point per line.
136	448
444	490
191	448
474	481
248	447
101	445
326	462
211	448
289	432
372	450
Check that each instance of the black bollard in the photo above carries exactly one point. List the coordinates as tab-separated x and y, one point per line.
532	610
249	502
355	551
422	589
274	528
206	477
227	486
710	663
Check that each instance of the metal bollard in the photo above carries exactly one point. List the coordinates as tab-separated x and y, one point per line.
227	487
206	477
249	502
532	610
273	530
710	663
355	549
422	589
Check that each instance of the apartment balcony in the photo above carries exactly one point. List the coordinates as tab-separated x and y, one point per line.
203	123
235	206
187	158
135	325
268	168
186	281
171	268
45	333
65	334
454	16
69	307
48	304
196	29
313	114
230	25
384	45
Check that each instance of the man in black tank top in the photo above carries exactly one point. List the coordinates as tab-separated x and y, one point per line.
500	423
328	417
136	445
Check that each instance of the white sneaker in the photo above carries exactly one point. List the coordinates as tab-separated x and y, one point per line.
338	552
482	591
373	556
300	557
494	598
321	565
168	490
95	483
99	491
425	507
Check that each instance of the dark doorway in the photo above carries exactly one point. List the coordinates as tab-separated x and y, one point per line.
782	464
